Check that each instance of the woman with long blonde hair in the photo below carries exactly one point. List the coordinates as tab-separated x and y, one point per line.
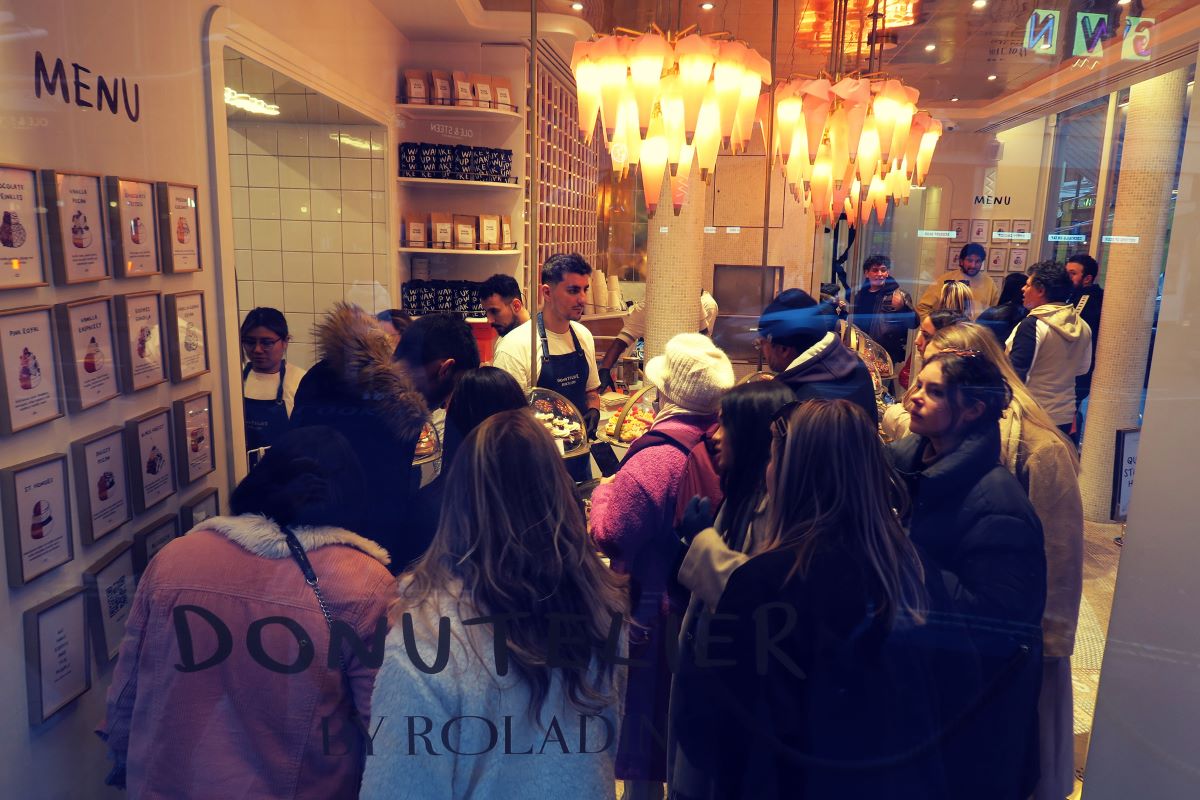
957	296
539	672
844	702
1043	459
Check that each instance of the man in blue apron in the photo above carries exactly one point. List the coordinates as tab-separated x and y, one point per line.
566	349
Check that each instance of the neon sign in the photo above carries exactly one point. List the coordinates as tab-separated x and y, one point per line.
1091	30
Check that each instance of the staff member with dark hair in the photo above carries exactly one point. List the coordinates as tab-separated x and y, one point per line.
566	349
269	383
984	290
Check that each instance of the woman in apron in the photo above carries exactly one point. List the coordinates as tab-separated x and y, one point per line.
268	382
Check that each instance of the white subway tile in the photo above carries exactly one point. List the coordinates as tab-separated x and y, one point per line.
293	140
293	172
296	236
264	234
269	294
268	265
263	171
356	174
327	268
294	204
238	174
264	204
326	205
356	206
325	173
327	237
262	140
357	268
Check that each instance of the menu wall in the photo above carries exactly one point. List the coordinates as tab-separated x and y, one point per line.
155	131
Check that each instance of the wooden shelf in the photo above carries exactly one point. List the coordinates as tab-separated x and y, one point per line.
416	111
439	251
449	182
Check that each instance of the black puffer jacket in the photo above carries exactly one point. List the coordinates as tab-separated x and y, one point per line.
972	520
357	389
831	371
872	312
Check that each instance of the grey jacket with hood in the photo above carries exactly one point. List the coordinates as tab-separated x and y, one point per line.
1048	349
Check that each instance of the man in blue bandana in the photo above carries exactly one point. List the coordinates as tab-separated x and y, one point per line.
796	336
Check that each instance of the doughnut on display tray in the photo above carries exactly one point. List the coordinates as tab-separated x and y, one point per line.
561	418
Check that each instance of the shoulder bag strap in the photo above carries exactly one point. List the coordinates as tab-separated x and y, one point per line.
310	577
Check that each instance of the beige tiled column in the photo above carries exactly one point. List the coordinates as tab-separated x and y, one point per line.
674	259
1151	148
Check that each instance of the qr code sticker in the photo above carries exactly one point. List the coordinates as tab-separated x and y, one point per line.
117	596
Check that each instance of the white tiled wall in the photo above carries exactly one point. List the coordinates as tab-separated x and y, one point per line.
310	222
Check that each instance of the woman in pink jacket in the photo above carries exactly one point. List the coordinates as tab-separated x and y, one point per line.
226	685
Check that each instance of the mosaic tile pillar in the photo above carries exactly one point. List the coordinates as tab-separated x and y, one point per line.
674	266
1151	146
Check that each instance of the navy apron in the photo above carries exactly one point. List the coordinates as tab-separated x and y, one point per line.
266	420
567	374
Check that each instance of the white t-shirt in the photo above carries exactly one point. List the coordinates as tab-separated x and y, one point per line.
512	354
264	385
634	326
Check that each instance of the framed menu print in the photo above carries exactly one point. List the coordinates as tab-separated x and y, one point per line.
1017	259
997	259
205	505
109	586
178	234
139	336
1022	226
1000	226
980	231
151	539
148	456
20	230
76	218
131	227
57	668
187	335
193	437
960	227
37	518
88	341
29	385
101	483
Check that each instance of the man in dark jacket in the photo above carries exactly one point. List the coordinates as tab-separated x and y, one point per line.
797	339
882	309
1088	299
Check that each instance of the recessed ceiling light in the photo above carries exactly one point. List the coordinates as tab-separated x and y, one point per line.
577	6
953	99
979	4
1123	2
706	6
991	77
929	48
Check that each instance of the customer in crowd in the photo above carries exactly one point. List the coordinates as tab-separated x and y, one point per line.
1001	318
1045	462
958	297
970	271
395	322
360	391
222	723
1053	345
633	522
436	349
972	519
503	305
882	309
894	422
798	342
634	328
845	705
269	383
1088	299
567	352
512	544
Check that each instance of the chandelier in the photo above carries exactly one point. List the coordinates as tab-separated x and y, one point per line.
815	25
851	142
668	102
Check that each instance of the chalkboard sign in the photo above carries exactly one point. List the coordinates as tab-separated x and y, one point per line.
1124	465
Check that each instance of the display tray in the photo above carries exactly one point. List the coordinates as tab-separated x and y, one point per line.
634	419
429	446
562	419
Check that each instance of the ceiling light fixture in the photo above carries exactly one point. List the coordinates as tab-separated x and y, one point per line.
1123	2
991	77
929	48
577	6
250	103
953	99
850	141
706	6
666	99
979	4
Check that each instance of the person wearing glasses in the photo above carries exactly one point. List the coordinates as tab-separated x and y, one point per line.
268	382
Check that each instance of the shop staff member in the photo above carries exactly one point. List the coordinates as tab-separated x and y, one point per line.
984	290
268	382
635	328
567	357
500	297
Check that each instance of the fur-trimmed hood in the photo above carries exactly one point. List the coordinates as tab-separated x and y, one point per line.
262	537
356	349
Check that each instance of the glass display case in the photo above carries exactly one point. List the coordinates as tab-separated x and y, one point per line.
634	418
564	421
